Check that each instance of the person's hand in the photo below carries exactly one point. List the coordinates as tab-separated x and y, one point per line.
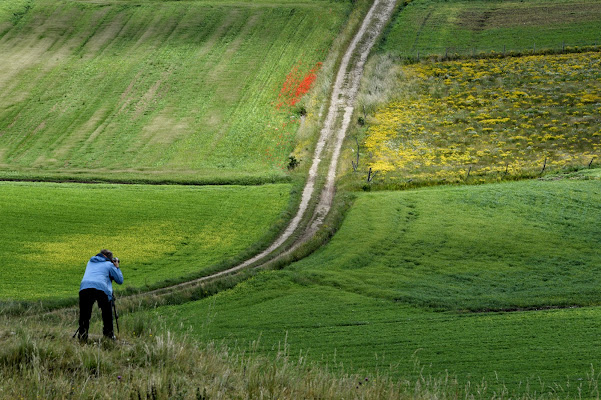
116	262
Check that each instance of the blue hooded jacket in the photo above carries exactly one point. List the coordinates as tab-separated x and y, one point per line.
99	274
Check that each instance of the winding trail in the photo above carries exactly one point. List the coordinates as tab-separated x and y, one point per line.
329	145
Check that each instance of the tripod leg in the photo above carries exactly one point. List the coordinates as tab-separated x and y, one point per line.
116	316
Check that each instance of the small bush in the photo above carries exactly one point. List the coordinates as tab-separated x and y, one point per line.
292	163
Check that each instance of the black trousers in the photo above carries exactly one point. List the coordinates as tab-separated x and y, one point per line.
87	298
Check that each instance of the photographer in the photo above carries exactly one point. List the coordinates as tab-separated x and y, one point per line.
96	287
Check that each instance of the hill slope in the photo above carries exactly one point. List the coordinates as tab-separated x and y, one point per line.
400	274
167	89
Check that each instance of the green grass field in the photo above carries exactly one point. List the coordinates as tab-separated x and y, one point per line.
436	27
157	89
159	232
453	277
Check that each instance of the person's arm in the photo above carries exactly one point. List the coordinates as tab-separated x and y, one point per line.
116	274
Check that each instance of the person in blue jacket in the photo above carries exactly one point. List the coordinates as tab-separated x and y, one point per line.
96	286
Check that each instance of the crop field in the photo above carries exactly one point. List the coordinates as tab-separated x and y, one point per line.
159	232
465	27
489	118
197	90
496	282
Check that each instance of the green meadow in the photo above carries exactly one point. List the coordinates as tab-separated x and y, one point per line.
159	90
495	282
474	291
438	28
161	233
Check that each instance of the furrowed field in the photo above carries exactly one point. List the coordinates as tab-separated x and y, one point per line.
489	118
429	276
459	27
160	232
157	89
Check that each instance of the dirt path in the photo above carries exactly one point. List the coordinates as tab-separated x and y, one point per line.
328	147
342	104
334	129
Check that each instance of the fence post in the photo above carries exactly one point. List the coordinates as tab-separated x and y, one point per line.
544	166
370	176
356	164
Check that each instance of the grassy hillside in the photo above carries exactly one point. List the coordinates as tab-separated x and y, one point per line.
159	89
159	232
464	27
492	119
427	275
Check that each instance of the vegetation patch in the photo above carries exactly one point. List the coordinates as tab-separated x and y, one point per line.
159	232
536	14
488	119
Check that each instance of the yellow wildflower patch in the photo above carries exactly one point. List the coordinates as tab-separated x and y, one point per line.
498	116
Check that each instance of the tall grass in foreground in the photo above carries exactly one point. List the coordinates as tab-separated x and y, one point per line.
42	361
